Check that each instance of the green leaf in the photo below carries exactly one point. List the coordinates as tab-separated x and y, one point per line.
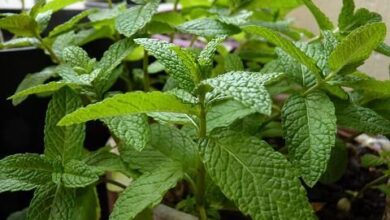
103	160
381	106
346	14
146	191
337	163
287	46
32	80
63	143
371	160
20	42
232	62
259	180
189	61
20	25
175	66
110	60
43	20
129	103
135	18
52	202
310	127
383	49
275	4
357	46
76	174
176	145
87	204
206	27
56	5
225	112
24	172
245	87
239	18
43	88
360	118
323	21
78	58
18	215
132	130
70	24
206	56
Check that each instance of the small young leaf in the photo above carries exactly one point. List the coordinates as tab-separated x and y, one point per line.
20	25
206	56
78	58
110	60
146	191
132	130
287	46
43	88
135	18
310	127
245	87
357	46
206	27
129	103
26	171
69	25
103	160
52	202
258	179
20	42
32	80
323	21
371	160
360	118
169	58
63	143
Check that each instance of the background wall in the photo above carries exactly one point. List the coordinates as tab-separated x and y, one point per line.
377	65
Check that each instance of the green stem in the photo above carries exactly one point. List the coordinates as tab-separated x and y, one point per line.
47	48
371	184
193	40
201	179
172	35
320	83
23	5
145	64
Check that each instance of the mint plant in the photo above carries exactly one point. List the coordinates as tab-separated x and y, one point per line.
203	118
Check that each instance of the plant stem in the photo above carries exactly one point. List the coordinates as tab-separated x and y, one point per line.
145	64
172	35
370	184
201	179
46	47
23	5
109	3
113	182
193	40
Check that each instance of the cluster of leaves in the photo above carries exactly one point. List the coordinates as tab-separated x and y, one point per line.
208	125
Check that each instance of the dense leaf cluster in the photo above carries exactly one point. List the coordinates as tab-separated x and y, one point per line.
255	77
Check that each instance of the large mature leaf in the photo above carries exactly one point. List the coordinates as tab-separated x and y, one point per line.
20	25
176	145
132	130
287	46
146	191
52	202
310	127
69	25
32	80
381	106
225	112
63	143
110	60
233	62
76	174
258	179
206	27
135	18
129	103
357	46
87	204
24	172
55	5
175	66
360	118
245	87
323	21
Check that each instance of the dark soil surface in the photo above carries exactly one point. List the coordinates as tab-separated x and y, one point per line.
369	206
